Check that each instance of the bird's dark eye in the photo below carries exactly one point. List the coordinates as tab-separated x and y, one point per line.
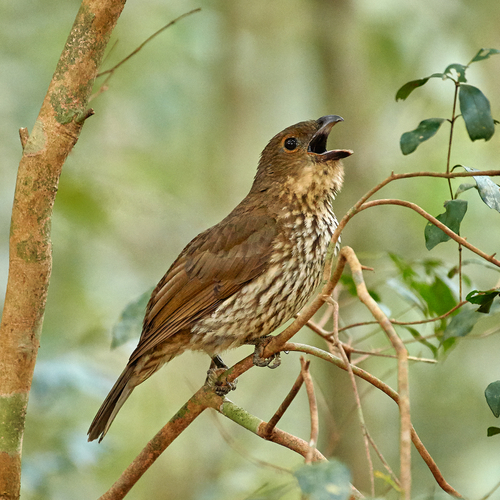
291	143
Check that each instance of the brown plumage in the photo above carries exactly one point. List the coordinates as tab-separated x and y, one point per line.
244	277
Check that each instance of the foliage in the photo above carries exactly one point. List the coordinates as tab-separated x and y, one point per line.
91	281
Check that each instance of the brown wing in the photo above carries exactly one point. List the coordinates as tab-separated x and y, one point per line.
215	265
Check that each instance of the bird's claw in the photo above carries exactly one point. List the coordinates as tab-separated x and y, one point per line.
221	387
272	361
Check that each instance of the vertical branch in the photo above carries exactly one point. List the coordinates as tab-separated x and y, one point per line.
313	408
54	134
402	355
268	429
452	121
361	417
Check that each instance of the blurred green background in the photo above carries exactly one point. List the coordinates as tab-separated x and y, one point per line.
172	148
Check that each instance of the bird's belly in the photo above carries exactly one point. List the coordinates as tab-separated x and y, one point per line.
262	305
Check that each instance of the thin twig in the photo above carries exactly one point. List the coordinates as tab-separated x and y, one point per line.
491	492
359	372
364	430
328	336
402	355
452	122
381	457
381	355
406	323
434	221
133	53
313	408
273	422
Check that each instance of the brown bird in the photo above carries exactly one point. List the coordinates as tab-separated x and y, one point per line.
244	277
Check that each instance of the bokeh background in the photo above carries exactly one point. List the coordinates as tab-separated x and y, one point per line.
172	148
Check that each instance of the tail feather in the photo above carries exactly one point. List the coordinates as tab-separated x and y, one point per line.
111	405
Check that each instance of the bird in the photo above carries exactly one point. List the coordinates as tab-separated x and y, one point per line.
241	279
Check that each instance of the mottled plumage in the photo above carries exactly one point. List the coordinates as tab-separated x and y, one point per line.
244	277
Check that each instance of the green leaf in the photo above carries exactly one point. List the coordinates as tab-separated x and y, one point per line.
476	112
348	282
492	431
406	294
455	212
387	479
129	324
325	480
484	54
492	395
460	70
437	295
461	324
409	87
484	299
416	335
406	270
464	187
426	129
488	190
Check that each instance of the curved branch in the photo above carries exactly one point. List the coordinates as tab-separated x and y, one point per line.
259	427
406	323
433	220
394	177
313	408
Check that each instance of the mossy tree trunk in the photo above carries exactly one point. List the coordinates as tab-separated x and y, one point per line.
54	134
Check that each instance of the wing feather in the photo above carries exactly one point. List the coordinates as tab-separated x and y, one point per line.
214	266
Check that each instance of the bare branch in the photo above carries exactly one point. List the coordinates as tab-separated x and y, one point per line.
394	177
359	372
257	426
284	405
402	354
133	53
361	417
313	408
433	220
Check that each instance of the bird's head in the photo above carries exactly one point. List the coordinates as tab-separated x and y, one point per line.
296	161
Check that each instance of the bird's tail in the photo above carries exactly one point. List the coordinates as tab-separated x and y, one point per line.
112	404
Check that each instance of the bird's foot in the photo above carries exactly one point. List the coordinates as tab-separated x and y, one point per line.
217	368
272	361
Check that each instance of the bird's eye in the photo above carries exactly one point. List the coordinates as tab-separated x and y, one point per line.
291	143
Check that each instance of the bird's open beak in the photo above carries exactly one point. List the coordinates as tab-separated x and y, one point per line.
317	145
